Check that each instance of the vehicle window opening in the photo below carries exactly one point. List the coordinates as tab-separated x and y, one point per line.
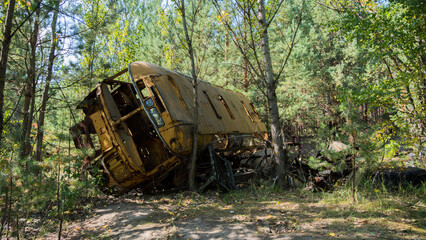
130	92
248	113
94	138
255	111
123	101
84	136
157	100
226	106
111	87
157	118
149	103
211	104
140	133
145	92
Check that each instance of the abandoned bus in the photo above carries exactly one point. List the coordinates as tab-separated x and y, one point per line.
144	128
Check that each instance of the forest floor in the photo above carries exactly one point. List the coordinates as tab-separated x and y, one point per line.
249	213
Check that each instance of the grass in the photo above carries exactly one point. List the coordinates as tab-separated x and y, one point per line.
378	197
388	213
264	210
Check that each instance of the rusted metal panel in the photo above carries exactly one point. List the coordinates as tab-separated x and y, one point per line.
145	128
228	104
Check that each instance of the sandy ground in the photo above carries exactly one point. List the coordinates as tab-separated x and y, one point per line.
193	216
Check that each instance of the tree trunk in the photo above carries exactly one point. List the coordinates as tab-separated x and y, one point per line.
58	197
29	90
3	60
195	90
5	211
277	143
40	125
245	75
245	59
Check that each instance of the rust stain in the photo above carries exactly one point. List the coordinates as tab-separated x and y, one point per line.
141	131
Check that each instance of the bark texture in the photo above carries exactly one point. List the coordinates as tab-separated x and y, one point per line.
195	91
27	114
45	97
277	142
7	38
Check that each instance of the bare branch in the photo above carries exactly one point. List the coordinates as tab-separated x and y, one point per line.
269	21
234	39
292	44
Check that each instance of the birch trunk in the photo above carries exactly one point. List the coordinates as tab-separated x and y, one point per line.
195	91
277	142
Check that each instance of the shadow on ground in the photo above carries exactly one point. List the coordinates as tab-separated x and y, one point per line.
281	216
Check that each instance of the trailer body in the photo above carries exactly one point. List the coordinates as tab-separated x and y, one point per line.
144	126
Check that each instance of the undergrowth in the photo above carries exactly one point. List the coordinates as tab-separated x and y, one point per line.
373	199
377	198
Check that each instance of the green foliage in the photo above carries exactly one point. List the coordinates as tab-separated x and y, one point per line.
356	75
389	35
258	188
318	164
391	149
32	188
377	199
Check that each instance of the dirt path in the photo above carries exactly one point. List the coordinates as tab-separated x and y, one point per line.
244	215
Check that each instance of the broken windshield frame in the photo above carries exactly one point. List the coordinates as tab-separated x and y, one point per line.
156	115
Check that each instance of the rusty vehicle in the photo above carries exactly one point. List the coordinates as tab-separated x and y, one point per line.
141	130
